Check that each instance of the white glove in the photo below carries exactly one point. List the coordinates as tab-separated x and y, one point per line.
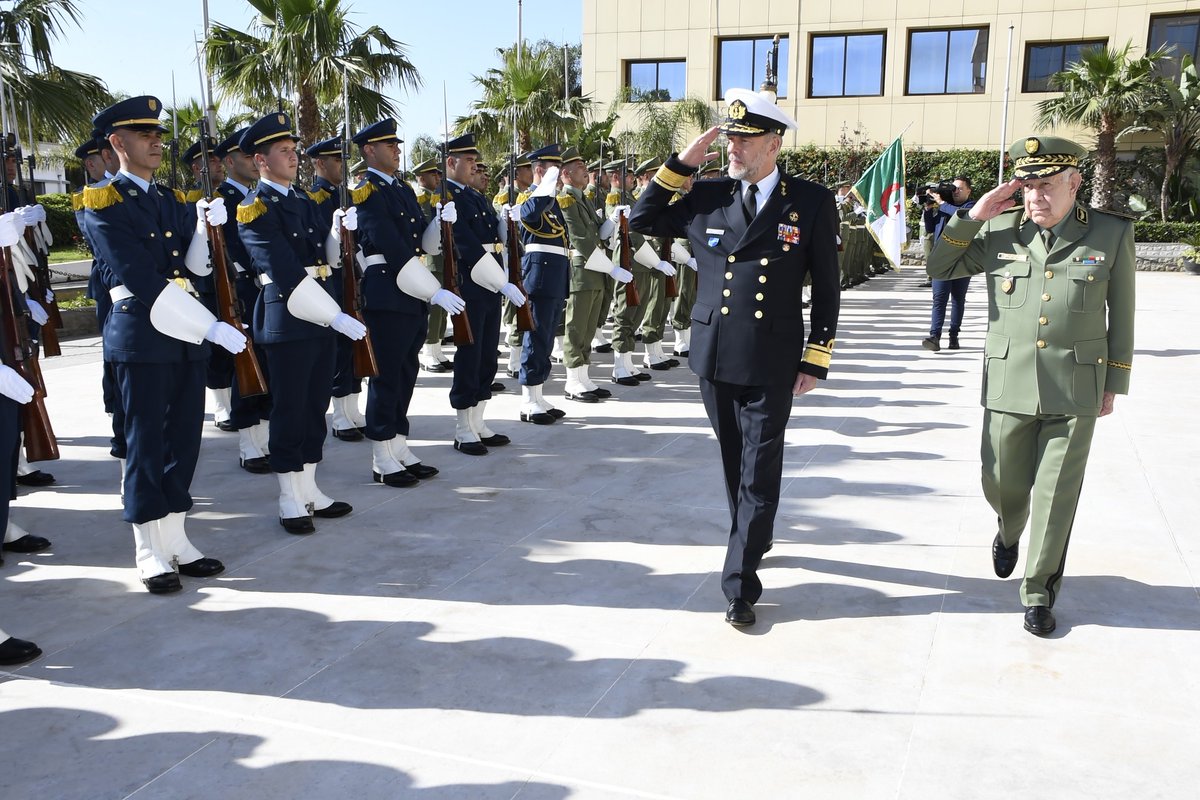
36	311
49	295
513	294
13	386
28	215
691	263
606	229
617	212
621	275
506	214
447	212
548	185
348	326
452	303
211	211
347	219
225	335
10	229
665	268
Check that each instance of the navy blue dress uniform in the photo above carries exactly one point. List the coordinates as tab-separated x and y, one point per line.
476	231
347	420
155	337
748	337
391	225
545	272
286	241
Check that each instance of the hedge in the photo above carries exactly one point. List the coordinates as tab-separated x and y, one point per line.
61	219
1165	231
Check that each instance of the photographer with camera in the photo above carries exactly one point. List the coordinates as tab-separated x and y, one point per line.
950	197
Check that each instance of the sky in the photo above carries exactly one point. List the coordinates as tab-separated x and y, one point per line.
144	42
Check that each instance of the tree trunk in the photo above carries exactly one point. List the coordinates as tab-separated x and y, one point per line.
1170	164
1105	175
309	121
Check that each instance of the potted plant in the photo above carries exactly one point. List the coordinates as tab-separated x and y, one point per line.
1190	258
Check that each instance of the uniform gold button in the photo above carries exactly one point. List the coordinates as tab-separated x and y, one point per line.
1091	277
731	259
1042	320
758	315
1045	297
758	296
724	309
1099	360
787	247
174	252
1049	273
765	261
168	234
728	276
762	278
727	293
152	236
1041	343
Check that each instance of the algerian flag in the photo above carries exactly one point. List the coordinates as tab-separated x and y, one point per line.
881	191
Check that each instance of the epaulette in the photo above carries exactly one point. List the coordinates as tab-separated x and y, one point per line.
1121	215
77	200
178	194
195	195
613	199
522	197
248	212
102	197
319	196
360	193
501	198
590	194
565	201
424	198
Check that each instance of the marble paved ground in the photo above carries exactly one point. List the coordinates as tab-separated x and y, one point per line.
546	622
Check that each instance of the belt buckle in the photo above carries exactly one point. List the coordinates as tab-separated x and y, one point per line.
323	272
186	285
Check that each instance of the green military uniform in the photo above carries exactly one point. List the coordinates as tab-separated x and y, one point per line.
432	358
1060	335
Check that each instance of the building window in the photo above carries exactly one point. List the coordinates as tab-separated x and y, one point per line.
947	61
1182	32
1044	60
656	80
742	64
846	65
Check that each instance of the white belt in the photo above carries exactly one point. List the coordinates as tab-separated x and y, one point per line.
313	272
546	248
120	292
370	261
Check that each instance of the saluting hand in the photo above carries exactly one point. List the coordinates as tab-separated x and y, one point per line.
696	153
995	202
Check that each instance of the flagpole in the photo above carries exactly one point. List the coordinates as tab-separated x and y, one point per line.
1004	113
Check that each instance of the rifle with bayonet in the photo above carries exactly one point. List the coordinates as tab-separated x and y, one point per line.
525	321
363	352
40	286
459	321
632	298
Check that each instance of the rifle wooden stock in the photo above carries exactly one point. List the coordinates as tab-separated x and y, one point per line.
365	365
525	320
247	371
459	321
664	254
40	442
631	293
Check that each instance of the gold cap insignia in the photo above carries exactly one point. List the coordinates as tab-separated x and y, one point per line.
737	110
282	119
1032	145
794	217
153	104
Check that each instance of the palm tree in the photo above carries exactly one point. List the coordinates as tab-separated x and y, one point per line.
299	49
1102	90
1174	114
663	128
58	98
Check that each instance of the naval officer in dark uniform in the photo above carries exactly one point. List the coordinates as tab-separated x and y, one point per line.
1059	348
295	319
150	244
755	236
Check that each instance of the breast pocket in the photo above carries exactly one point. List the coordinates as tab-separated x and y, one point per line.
1087	286
1008	283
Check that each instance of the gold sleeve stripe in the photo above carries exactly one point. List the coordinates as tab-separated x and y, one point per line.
818	356
954	242
1120	365
248	213
97	199
669	178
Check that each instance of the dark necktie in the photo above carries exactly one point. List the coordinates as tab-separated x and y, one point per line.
1048	238
750	202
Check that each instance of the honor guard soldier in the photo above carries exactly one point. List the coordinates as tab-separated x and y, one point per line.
656	305
150	243
1060	284
477	237
590	268
523	179
249	416
348	422
295	318
397	289
219	377
429	184
755	236
216	172
681	254
544	270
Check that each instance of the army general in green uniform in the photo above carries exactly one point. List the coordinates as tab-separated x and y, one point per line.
1060	282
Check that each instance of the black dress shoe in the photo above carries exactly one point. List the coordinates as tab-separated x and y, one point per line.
298	525
740	613
202	568
17	651
1039	620
36	478
767	549
471	448
259	466
628	380
498	387
226	426
953	342
603	394
163	584
447	340
400	480
537	418
420	470
582	397
672	362
495	440
1003	558
348	435
642	376
28	544
438	367
661	365
557	413
335	509
603	348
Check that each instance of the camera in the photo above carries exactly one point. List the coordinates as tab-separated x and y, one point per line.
945	189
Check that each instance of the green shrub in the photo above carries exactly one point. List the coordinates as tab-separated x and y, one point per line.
1166	231
60	216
